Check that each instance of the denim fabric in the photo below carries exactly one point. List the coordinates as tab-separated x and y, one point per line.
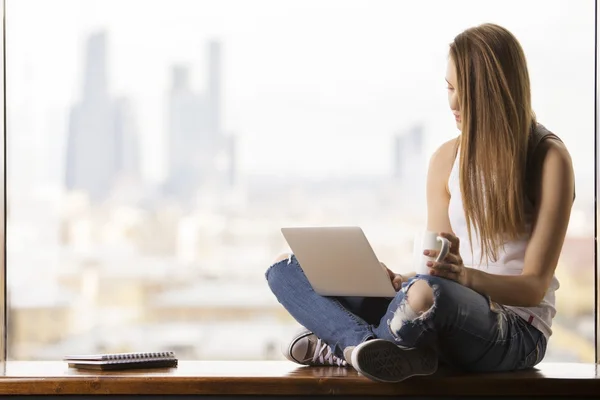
466	329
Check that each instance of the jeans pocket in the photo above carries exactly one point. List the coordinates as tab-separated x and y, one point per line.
535	356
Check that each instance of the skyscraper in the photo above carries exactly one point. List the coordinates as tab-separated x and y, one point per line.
408	151
195	134
214	86
409	161
102	144
187	123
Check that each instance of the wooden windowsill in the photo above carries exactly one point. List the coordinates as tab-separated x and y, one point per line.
285	379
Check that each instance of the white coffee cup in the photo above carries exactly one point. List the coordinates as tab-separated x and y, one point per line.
428	241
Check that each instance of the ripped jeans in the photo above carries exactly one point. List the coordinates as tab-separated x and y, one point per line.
466	330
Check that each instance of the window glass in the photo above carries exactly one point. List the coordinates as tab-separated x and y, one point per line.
156	148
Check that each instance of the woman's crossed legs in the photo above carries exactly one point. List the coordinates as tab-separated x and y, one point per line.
392	339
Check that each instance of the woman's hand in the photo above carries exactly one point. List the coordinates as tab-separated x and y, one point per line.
451	267
396	279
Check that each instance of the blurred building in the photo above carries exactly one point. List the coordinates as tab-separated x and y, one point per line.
409	164
102	142
197	143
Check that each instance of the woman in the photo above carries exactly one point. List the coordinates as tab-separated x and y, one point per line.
501	192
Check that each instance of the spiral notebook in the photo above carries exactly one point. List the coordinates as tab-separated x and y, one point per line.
116	361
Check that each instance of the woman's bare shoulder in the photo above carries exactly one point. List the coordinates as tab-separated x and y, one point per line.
551	163
555	147
551	152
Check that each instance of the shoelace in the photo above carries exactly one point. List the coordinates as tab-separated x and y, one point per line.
328	358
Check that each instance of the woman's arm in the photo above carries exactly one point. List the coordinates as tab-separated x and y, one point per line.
554	199
438	196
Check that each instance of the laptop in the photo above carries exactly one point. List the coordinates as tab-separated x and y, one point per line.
339	261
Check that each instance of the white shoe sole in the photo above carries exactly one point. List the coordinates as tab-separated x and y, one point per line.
383	361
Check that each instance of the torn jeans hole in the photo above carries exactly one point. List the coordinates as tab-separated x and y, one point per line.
405	316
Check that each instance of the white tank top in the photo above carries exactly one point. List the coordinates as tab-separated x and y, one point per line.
510	259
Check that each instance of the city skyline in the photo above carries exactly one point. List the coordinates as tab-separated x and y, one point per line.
366	85
103	142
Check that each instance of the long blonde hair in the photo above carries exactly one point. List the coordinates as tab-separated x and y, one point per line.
494	97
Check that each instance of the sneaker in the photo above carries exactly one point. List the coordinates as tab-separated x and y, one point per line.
384	361
308	349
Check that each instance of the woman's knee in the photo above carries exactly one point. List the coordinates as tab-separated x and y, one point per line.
278	267
412	309
420	296
428	292
281	257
